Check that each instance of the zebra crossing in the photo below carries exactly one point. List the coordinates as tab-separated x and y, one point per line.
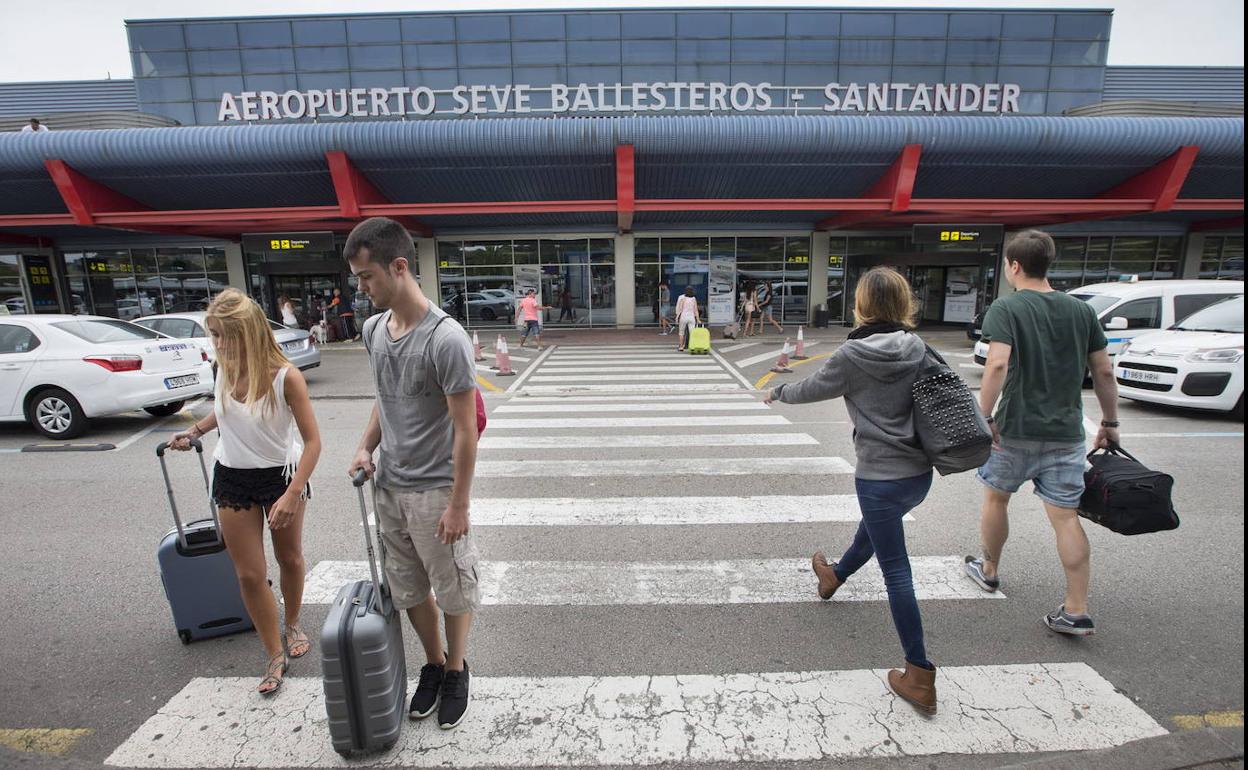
663	434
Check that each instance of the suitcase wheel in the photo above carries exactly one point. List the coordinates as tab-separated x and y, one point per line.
184	635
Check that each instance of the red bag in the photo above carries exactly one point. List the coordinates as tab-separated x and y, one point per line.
480	414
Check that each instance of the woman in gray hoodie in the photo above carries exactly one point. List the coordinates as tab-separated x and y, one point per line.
874	371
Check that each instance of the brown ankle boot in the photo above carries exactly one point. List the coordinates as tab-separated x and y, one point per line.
916	685
828	581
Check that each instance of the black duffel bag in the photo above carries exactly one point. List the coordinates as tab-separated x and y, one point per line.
1123	495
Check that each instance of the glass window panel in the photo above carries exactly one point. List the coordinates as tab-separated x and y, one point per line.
875	245
816	24
1026	52
538	53
324	80
593	26
758	25
606	52
211	36
919	52
213	87
183	113
1032	103
320	32
646	250
594	75
279	83
373	31
648	25
484	27
1083	26
1079	53
378	79
1232	266
1027	25
973	51
376	57
156	37
862	74
763	51
935	74
215	62
1077	78
524	252
1061	101
450	254
1140	313
602	250
1097	265
162	89
215	260
922	24
646	293
758	73
487	253
170	261
206	112
703	73
867	24
813	50
159	63
1134	249
1212	249
649	73
435	79
320	59
1071	249
545	26
690	26
261	60
540	77
143	260
649	51
485	76
863	51
760	250
700	51
1065	276
809	75
975	25
430	56
571	251
962	74
601	297
484	54
1029	78
264	33
428	29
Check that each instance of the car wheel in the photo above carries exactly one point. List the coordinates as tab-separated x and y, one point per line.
56	414
164	410
488	314
1238	411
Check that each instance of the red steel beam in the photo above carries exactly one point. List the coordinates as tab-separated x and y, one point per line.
355	191
85	197
625	187
897	184
1161	183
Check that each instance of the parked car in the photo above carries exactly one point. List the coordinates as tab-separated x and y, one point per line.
297	344
503	294
59	371
1127	310
482	306
1197	363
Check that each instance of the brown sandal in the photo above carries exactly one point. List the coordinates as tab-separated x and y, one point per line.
295	642
273	674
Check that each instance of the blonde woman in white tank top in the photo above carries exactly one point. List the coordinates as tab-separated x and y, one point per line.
268	447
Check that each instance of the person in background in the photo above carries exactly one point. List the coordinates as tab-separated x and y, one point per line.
268	448
34	127
687	316
749	310
345	314
665	307
874	372
766	300
530	311
565	304
287	309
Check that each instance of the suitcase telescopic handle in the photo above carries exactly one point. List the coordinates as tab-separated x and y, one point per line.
173	504
358	480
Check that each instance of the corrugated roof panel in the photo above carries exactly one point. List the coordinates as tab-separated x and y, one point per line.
39	99
1185	84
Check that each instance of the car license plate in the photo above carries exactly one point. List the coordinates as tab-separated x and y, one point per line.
296	345
1141	376
181	382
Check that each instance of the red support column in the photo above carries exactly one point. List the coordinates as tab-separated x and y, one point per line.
625	186
896	185
85	197
1161	183
355	192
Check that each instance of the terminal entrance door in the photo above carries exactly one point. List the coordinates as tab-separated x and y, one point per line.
307	292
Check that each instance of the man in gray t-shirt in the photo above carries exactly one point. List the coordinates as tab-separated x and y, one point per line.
425	423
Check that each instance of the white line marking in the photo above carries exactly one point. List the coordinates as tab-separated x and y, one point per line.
664	511
590	721
507	423
1210	434
658	370
969	366
515	386
649	363
606	350
951	354
521	359
735	395
605	583
649	389
669	356
676	466
740	346
736	373
654	406
649	441
156	423
709	375
758	359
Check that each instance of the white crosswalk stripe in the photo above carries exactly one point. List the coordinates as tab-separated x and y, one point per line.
758	359
696	421
647	407
648	363
682	440
656	370
664	511
586	721
738	346
710	374
589	399
673	466
650	389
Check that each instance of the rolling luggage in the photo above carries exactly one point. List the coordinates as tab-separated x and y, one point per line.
700	340
196	570
362	658
1121	494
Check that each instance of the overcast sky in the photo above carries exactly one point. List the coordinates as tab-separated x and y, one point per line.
86	39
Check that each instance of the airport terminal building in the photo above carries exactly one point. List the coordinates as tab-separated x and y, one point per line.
594	154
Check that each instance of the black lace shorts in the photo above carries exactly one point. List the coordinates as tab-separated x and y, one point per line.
242	488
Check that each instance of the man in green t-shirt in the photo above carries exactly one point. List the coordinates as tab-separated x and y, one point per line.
1042	342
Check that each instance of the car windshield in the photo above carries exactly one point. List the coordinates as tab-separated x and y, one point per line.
1226	316
1098	302
103	330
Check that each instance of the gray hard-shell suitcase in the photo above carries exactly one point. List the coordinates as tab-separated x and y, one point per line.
196	570
362	658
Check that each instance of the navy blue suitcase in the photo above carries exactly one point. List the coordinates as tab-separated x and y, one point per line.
197	572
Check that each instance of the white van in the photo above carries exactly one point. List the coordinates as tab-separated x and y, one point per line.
1127	310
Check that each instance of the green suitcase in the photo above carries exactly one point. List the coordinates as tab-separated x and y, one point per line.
700	340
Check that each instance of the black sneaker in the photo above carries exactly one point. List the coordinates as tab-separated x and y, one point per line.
455	687
1062	622
426	697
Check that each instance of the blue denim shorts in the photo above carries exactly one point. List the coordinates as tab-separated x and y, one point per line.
1055	467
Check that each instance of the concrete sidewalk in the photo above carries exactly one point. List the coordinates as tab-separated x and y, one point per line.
1208	748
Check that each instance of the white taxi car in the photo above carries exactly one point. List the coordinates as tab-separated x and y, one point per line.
1197	363
296	344
59	371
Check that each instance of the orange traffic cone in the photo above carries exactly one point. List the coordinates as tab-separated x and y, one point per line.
477	355
782	363
800	353
502	361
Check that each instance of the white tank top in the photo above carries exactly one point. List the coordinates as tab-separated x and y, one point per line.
257	438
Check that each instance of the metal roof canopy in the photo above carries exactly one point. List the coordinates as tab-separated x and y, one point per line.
624	173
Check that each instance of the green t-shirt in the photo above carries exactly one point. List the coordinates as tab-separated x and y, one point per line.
1050	335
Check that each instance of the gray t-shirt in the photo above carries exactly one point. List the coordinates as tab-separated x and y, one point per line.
414	375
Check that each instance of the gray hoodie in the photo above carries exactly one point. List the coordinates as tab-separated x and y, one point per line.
874	375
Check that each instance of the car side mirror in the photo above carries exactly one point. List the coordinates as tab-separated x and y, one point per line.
1117	324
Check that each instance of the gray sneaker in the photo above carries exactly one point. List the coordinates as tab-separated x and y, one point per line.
975	571
1062	622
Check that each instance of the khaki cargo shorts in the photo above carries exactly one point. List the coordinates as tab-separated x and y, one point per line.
416	559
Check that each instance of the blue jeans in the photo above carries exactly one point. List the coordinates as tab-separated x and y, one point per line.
880	533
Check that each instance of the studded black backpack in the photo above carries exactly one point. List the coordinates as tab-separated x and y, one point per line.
947	419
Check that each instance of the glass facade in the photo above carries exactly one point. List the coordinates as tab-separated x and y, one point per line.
135	282
1223	257
1058	58
1099	259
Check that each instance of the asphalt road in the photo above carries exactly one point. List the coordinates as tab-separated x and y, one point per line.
88	642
